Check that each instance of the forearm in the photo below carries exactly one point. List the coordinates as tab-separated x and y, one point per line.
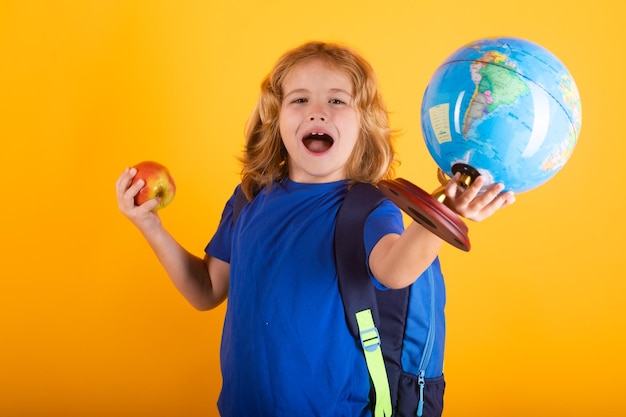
398	260
189	273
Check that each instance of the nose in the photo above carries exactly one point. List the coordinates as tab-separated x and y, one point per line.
317	113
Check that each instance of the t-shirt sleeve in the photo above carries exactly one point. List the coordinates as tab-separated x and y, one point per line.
385	219
221	243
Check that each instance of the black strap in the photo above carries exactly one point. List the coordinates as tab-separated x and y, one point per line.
240	201
357	291
356	287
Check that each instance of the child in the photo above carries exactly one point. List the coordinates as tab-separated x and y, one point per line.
320	124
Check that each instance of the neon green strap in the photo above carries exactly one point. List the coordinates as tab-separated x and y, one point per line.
370	341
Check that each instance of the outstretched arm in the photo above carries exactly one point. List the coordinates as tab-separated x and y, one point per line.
397	260
203	282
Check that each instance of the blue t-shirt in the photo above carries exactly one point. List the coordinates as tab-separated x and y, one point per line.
286	348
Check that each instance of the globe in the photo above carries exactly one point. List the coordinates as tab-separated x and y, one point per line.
505	108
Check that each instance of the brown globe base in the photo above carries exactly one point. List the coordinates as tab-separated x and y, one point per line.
427	211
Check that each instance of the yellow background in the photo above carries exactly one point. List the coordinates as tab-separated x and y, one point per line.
91	326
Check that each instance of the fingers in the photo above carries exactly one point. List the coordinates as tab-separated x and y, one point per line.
452	187
125	192
494	202
506	199
475	205
490	194
462	195
149	205
124	180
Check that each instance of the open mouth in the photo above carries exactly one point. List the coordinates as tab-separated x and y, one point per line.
318	142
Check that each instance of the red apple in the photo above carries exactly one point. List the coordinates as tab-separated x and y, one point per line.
158	183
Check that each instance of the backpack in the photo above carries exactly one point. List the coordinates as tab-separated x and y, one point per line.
378	318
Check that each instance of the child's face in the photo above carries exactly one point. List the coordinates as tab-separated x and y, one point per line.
319	124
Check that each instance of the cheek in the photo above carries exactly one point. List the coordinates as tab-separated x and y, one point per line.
285	124
287	136
282	129
352	128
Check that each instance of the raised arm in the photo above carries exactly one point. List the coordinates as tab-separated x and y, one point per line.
203	282
398	260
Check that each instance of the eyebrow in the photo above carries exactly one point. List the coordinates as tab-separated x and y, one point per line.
304	90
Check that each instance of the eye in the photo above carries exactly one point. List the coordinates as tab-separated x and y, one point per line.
336	101
299	100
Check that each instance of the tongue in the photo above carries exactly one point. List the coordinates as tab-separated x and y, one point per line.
318	143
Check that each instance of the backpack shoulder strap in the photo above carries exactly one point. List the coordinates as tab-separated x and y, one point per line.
357	291
240	201
350	256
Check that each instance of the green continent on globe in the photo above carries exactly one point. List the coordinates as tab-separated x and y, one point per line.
497	84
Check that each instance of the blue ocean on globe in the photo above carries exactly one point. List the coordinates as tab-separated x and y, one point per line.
506	107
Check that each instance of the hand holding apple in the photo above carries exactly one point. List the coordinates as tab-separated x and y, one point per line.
158	183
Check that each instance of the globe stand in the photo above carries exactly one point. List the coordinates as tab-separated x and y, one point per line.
429	210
